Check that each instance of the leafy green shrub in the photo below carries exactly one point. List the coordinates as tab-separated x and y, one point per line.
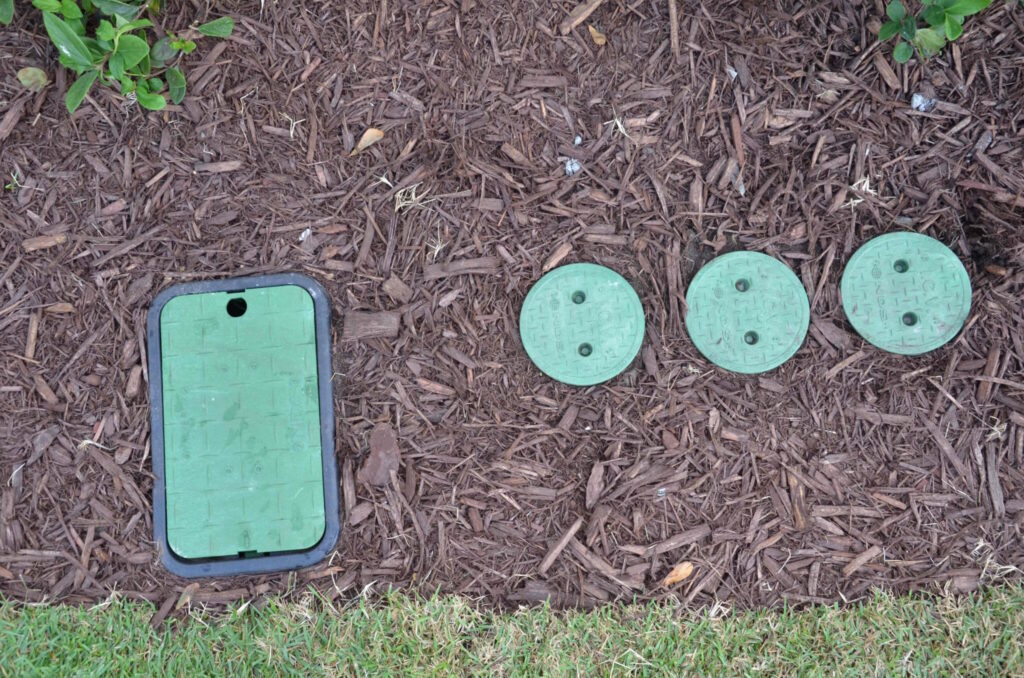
943	19
109	41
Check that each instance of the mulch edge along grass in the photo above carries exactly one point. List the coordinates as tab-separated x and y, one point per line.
882	635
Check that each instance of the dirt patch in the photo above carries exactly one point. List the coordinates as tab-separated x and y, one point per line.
748	126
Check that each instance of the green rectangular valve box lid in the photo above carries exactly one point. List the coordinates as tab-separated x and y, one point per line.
241	395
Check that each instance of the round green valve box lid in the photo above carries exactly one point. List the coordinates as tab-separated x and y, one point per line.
581	324
906	293
747	312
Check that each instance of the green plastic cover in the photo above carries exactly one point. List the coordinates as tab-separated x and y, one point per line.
747	312
906	293
241	416
582	324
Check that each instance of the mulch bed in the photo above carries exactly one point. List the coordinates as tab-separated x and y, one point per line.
777	127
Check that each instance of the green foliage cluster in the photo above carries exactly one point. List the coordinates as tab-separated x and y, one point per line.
111	41
943	21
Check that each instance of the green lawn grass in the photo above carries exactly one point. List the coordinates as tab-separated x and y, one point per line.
446	635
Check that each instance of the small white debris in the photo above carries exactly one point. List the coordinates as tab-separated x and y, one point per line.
921	103
305	235
577	141
732	72
572	167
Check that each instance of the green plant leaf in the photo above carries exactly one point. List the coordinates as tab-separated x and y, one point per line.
33	79
70	9
6	12
134	25
116	66
79	89
929	42
132	49
934	16
142	68
902	53
97	49
968	7
888	30
67	41
127	84
115	8
188	47
176	84
155	84
105	31
162	50
218	28
47	5
954	26
896	10
908	28
153	102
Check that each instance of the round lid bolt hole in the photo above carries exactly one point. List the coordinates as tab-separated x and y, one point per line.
750	338
236	307
742	285
578	297
585	350
900	266
909	319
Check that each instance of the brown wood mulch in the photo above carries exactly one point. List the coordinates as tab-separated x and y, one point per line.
772	126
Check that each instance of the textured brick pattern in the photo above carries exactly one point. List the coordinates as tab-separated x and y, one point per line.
878	294
610	320
241	423
721	317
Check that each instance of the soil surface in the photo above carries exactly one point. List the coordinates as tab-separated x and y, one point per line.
777	127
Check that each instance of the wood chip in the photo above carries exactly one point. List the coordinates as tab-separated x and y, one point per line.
131	388
397	290
543	82
119	205
559	546
11	118
995	488
881	64
33	333
515	155
44	390
60	307
561	252
946	449
480	265
991	365
861	560
219	167
384	456
435	387
43	242
367	325
594	485
578	15
686	538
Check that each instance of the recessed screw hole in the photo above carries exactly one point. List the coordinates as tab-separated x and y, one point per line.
751	338
742	285
578	297
900	266
909	319
236	307
585	350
